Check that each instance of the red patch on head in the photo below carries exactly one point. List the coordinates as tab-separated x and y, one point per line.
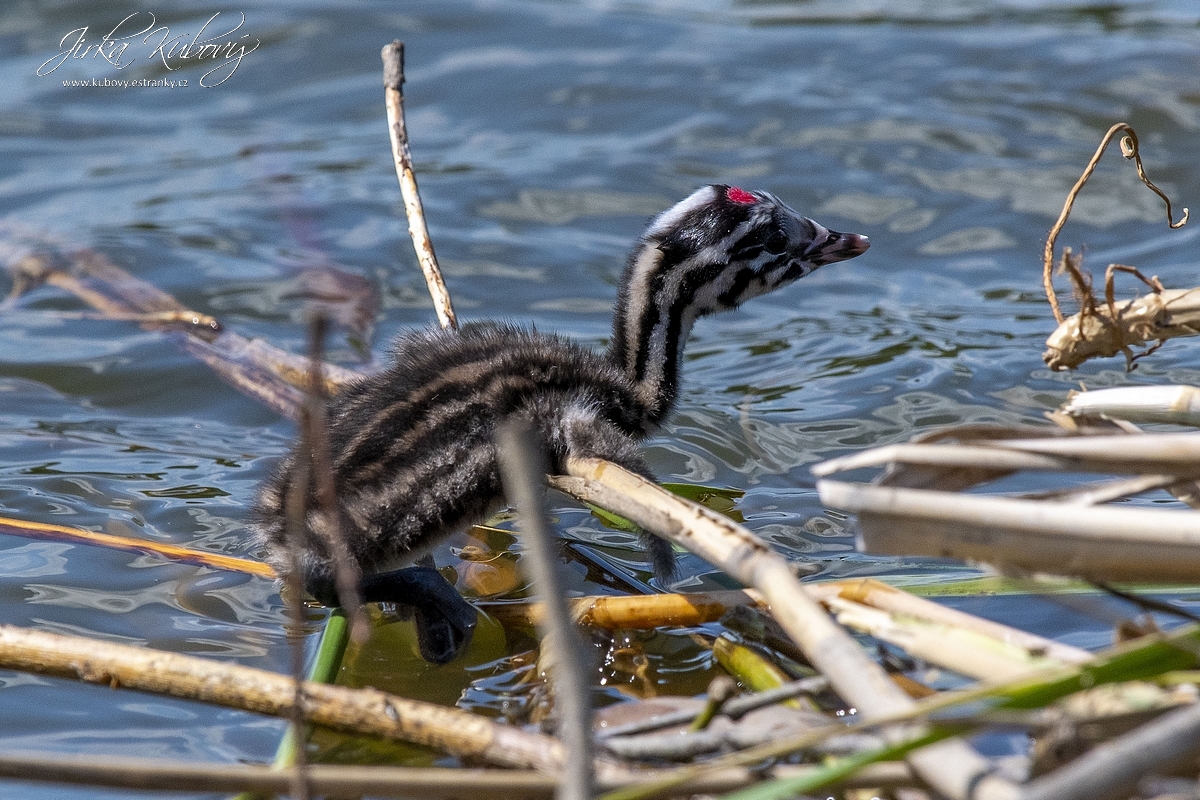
740	196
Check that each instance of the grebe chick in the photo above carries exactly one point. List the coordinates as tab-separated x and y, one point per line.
412	448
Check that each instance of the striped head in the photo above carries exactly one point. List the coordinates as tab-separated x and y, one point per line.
725	245
710	252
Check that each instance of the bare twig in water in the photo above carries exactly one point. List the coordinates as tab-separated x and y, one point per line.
1147	603
393	82
296	507
1129	149
314	433
270	375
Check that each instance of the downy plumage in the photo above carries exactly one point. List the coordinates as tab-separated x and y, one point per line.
412	449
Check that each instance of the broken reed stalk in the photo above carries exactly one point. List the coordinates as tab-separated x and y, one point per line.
879	595
393	83
1129	149
951	767
1102	543
1168	454
360	711
314	433
1176	405
522	469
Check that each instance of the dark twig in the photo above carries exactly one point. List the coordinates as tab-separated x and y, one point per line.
1146	603
296	504
522	467
315	434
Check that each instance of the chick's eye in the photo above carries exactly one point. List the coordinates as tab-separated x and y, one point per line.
777	243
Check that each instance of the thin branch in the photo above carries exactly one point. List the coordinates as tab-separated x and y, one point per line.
734	708
314	436
393	82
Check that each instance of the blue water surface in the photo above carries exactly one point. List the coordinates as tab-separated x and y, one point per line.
545	134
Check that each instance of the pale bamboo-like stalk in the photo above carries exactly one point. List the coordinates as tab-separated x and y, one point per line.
951	767
745	557
877	594
362	711
1179	405
393	83
1164	453
1101	543
960	650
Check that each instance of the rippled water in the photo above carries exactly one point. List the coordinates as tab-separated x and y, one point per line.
545	134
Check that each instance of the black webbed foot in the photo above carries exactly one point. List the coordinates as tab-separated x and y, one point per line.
444	620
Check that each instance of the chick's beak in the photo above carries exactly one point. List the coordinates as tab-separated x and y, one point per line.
836	247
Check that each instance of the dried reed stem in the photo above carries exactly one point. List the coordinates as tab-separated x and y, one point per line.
314	437
1103	543
296	522
951	767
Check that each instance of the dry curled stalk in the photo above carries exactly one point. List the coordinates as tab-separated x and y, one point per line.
1129	149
